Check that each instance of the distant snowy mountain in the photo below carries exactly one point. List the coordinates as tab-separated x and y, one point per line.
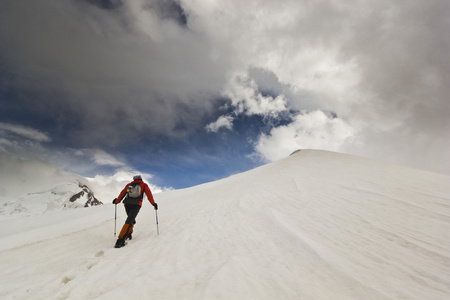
30	186
315	225
64	196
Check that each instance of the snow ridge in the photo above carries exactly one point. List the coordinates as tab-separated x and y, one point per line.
316	225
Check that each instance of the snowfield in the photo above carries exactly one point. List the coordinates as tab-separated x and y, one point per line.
315	225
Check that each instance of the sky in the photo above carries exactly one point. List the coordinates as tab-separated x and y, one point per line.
190	91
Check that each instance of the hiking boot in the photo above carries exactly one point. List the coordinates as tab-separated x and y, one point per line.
129	237
120	243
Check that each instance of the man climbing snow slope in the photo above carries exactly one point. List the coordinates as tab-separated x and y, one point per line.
134	192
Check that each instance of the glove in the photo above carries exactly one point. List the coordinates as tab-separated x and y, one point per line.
114	201
155	206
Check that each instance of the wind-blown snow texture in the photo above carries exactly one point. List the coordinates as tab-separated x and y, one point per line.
316	225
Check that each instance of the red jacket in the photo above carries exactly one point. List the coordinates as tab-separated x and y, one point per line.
144	187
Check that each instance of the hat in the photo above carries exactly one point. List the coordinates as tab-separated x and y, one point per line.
137	177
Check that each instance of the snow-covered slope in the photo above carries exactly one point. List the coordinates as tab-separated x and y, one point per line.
316	225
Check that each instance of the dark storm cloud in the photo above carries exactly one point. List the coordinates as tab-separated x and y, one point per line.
365	77
105	4
165	9
168	9
109	74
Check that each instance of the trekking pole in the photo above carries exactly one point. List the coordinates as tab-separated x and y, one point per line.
157	226
115	219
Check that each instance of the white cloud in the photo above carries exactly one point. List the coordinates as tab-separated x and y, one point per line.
247	99
22	140
314	130
112	182
222	122
102	158
111	185
24	132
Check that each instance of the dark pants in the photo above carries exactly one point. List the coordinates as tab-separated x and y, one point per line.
127	229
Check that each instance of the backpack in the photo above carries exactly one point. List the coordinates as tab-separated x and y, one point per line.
134	190
134	194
